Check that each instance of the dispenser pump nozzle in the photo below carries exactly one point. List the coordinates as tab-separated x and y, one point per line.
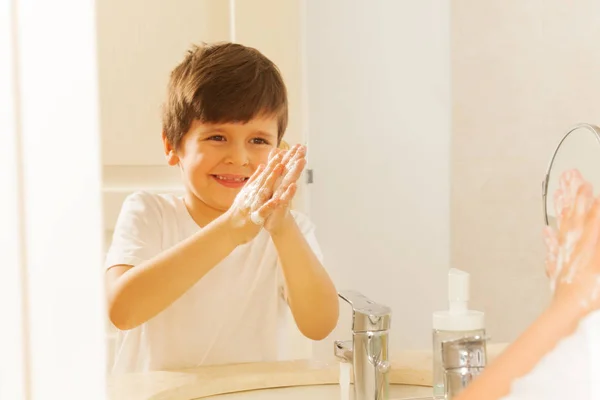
458	290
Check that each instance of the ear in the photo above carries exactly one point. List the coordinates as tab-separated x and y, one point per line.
170	153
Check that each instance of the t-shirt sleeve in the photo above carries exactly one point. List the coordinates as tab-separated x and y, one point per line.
307	227
137	234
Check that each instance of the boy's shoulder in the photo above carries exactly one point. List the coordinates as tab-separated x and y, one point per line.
147	204
150	200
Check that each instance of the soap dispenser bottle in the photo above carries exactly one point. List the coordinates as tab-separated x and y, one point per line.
455	323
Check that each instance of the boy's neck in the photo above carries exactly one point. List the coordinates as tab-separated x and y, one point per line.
201	213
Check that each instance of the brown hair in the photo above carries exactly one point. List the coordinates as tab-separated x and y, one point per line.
220	83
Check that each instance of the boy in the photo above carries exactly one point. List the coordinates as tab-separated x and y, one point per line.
200	279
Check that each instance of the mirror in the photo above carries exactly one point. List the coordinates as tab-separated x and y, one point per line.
395	202
578	149
429	126
460	195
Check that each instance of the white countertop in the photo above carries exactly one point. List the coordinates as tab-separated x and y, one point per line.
413	368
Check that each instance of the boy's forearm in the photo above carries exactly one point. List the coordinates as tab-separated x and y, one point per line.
312	297
147	289
557	322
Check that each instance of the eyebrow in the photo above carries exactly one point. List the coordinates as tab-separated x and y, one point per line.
211	129
264	133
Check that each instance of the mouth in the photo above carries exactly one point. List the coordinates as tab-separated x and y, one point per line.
231	181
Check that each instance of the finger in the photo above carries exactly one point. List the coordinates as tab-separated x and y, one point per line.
291	176
274	151
261	197
565	185
278	181
273	176
576	177
550	267
289	193
573	184
294	173
265	192
592	233
563	180
583	201
287	196
267	209
585	250
571	210
256	173
289	154
299	152
550	238
576	213
559	205
271	165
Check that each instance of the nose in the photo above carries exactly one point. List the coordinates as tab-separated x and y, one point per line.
237	154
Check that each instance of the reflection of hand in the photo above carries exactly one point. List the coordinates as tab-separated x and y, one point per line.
294	161
564	200
256	197
576	271
564	197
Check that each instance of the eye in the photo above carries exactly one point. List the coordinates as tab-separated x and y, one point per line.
217	138
259	141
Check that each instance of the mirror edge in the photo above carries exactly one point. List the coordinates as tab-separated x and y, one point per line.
595	130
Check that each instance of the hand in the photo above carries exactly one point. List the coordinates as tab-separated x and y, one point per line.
257	196
576	271
294	161
564	199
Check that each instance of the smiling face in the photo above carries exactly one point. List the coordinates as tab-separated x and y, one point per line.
217	159
225	110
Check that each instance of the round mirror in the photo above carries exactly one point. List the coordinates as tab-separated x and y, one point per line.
578	149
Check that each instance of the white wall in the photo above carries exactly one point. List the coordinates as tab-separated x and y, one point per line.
51	179
14	380
139	43
379	144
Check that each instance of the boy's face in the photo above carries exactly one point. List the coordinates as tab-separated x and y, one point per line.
217	159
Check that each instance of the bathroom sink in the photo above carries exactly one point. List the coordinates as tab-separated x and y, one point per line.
322	392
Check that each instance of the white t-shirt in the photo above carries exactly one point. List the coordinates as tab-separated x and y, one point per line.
233	314
570	371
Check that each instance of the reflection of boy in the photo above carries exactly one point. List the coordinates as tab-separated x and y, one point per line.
197	280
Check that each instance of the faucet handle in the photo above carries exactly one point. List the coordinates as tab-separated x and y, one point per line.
366	314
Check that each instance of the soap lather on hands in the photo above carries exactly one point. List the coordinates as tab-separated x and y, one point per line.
573	257
266	198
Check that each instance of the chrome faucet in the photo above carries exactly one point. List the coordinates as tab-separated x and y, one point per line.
368	349
463	361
